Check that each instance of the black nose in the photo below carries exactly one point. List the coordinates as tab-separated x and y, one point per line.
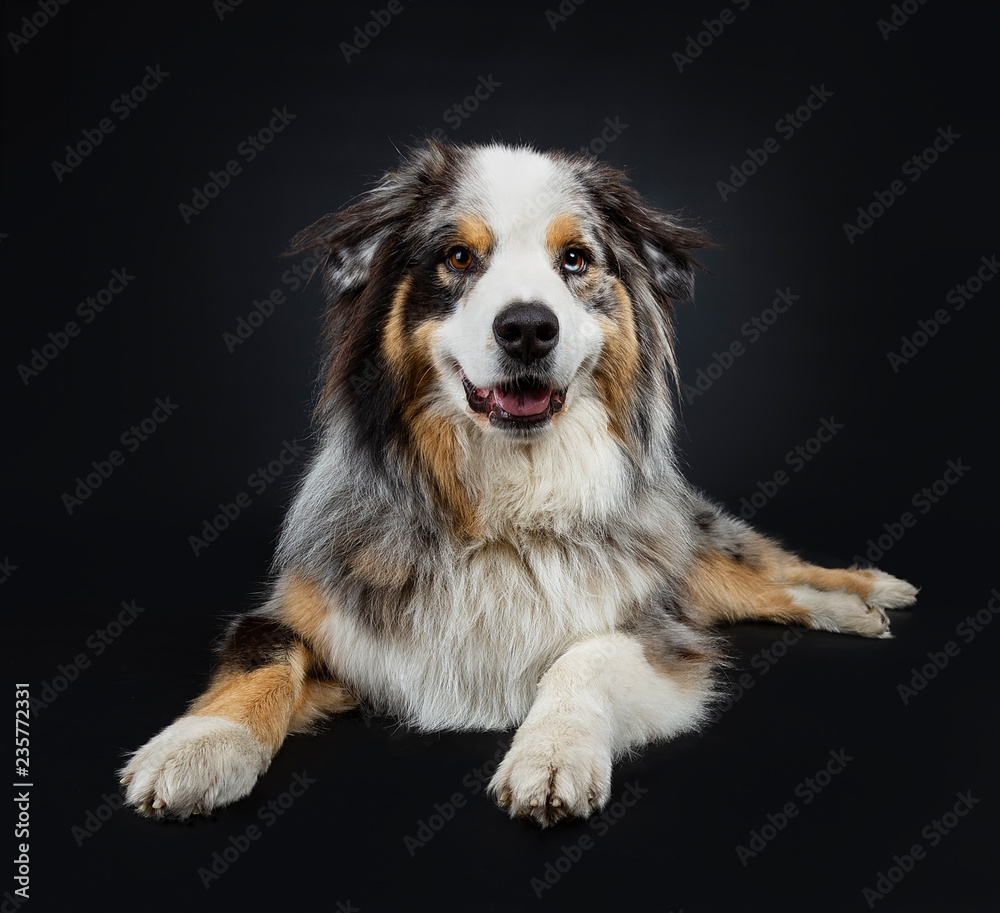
526	331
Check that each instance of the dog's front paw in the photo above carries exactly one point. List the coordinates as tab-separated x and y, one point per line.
550	774
194	765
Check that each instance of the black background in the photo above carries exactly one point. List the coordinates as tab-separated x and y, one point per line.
67	573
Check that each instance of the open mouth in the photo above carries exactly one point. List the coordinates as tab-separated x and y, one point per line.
518	404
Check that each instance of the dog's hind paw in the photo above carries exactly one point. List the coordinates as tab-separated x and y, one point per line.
840	611
890	592
196	764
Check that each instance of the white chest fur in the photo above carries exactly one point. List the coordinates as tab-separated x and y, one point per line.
482	631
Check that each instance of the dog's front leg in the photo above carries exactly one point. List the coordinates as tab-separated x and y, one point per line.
268	682
600	698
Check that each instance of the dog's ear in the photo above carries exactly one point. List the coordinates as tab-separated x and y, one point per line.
666	244
349	241
658	240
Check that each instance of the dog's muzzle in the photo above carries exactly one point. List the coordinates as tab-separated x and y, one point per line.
523	400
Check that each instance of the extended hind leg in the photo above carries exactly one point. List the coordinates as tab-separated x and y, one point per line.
740	575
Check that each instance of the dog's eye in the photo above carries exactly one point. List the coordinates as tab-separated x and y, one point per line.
574	261
459	258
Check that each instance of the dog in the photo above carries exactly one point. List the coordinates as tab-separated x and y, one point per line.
493	531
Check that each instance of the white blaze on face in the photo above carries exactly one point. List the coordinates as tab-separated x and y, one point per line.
517	193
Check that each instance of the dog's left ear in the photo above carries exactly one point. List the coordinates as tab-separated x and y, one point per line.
658	240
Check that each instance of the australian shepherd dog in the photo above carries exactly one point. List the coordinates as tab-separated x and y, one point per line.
493	531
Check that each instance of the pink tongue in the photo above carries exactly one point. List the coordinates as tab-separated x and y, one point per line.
530	401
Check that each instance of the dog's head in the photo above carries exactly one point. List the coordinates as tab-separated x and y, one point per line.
496	290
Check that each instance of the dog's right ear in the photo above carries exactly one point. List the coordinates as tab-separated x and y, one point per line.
351	241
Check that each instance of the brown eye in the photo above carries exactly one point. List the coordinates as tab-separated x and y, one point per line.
459	258
574	261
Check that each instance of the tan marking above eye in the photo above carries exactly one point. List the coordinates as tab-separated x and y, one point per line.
474	233
564	231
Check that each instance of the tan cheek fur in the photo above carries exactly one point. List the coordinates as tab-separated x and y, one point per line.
617	370
432	436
